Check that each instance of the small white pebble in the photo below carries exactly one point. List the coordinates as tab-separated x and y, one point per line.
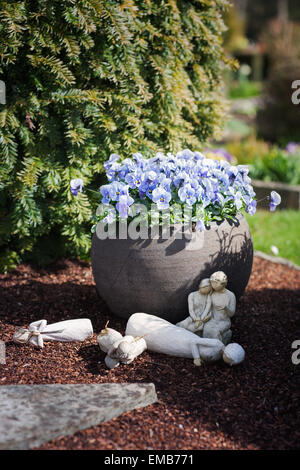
180	425
274	250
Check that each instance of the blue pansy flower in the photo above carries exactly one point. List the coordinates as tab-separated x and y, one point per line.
222	177
159	156
123	205
129	163
210	163
194	183
76	186
168	168
112	165
126	167
187	194
238	200
248	197
198	156
251	207
188	177
105	191
185	154
161	197
243	169
150	175
150	189
164	182
118	189
275	200
113	158
140	161
134	180
180	179
232	172
209	189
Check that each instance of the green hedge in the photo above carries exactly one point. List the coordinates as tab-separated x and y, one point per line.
88	78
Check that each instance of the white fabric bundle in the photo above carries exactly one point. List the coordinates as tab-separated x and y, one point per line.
163	337
68	330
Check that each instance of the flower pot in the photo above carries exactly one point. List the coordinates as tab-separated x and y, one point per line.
155	276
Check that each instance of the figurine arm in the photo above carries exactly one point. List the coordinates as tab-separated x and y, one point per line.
195	351
207	309
192	314
230	309
196	355
39	325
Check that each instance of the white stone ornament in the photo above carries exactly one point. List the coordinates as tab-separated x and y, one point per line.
65	331
119	349
163	337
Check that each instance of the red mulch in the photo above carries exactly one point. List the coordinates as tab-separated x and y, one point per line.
252	406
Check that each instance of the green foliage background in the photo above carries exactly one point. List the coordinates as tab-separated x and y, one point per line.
86	78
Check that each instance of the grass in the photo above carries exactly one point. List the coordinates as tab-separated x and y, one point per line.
245	89
280	229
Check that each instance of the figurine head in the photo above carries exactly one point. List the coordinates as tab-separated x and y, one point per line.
21	336
205	287
218	281
105	330
233	354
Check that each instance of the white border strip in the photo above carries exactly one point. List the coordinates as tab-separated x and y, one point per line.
277	260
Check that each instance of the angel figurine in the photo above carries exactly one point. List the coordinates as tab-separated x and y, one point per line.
163	337
200	304
223	308
69	330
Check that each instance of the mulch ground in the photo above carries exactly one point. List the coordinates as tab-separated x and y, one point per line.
251	406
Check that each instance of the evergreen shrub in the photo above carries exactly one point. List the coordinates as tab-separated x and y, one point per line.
87	78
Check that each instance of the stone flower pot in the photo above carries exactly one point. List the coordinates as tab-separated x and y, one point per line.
155	276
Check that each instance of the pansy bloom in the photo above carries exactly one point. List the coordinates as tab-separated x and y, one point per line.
76	186
275	200
212	188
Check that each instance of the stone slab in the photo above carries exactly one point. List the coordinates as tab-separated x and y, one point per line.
33	414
